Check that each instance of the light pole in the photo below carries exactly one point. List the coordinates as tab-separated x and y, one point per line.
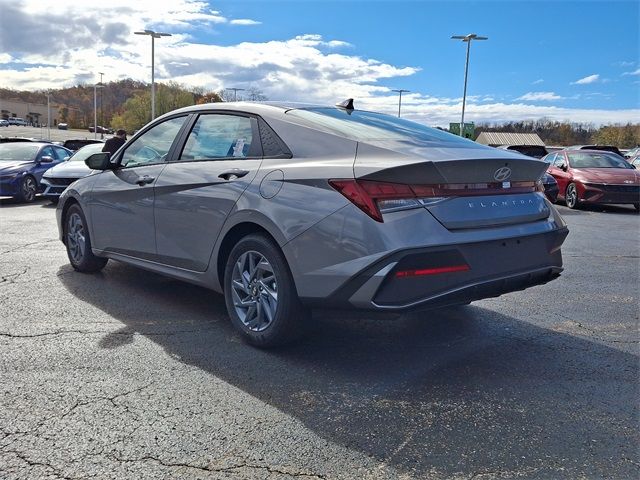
48	115
96	86
235	92
466	38
400	99
153	36
101	118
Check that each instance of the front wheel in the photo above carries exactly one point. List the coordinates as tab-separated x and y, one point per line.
571	196
28	189
79	243
260	293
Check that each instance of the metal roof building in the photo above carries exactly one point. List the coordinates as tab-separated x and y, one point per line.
495	139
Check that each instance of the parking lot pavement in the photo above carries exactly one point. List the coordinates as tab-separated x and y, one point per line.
41	133
127	374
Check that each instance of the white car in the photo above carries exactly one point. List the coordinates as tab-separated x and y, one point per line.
56	179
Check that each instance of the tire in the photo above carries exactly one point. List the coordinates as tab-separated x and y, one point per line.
260	294
571	196
28	189
79	244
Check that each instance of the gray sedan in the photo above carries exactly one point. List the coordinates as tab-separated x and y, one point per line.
283	207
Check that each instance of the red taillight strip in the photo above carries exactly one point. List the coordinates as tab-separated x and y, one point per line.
432	271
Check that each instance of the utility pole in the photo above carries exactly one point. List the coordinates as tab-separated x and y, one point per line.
153	36
48	115
235	92
400	99
466	38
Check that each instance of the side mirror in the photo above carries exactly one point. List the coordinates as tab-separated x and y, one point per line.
563	167
46	159
99	161
66	159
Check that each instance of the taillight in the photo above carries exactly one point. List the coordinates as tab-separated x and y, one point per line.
432	271
376	198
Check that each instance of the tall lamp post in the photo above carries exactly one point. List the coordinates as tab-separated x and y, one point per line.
48	115
400	91
96	86
466	38
101	117
153	36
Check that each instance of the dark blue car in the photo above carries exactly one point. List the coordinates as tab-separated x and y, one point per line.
22	165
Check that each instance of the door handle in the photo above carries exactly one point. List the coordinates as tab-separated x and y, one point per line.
233	174
145	180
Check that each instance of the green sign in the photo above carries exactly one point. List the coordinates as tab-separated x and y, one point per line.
469	129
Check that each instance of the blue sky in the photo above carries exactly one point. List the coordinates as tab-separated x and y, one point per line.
576	61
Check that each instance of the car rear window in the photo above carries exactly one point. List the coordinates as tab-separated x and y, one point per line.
530	150
362	125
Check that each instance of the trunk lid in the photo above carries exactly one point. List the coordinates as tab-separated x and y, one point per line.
490	187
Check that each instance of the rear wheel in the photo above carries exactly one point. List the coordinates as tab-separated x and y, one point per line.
79	243
28	189
260	293
571	196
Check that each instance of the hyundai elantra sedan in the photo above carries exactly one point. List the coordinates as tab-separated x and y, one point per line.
283	207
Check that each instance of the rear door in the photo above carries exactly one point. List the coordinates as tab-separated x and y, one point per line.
121	202
220	157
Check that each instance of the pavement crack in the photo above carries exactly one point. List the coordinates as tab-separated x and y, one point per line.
11	277
24	245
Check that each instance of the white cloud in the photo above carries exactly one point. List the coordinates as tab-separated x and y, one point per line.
635	72
537	96
84	38
244	21
587	80
538	82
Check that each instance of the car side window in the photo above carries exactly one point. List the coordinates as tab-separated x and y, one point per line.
550	158
47	152
218	136
559	161
153	145
60	153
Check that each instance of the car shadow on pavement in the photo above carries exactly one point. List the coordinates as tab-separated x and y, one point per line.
456	391
14	202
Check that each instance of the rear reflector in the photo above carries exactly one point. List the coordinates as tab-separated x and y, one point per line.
432	271
374	198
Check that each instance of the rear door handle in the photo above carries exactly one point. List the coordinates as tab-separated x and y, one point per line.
233	174
145	180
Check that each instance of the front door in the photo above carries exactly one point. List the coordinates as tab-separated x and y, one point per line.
196	192
121	201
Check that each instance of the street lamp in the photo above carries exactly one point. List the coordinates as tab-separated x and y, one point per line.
153	36
96	86
235	92
101	117
400	99
48	115
468	39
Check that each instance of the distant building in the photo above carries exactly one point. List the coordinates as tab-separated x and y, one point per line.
33	113
495	139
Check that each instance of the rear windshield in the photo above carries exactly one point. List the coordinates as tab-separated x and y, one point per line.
530	150
362	125
597	160
605	148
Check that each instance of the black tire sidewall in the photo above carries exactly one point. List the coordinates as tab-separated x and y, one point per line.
21	195
288	320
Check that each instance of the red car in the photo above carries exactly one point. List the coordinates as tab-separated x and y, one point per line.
594	177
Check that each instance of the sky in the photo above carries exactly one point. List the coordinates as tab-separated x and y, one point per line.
568	61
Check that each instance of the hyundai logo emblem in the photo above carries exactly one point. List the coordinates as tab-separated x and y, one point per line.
502	174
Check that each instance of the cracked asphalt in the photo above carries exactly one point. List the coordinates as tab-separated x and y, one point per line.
127	374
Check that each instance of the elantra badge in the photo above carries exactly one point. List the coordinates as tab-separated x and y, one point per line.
502	174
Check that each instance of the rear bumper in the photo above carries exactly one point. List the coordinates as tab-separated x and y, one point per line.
494	268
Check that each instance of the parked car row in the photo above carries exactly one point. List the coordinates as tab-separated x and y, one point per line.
100	129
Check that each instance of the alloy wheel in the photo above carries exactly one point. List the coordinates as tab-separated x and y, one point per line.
254	291
76	237
29	188
572	196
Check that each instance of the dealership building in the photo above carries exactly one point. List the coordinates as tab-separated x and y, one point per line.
33	113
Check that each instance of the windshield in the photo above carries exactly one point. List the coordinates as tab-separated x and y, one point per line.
86	151
596	160
10	152
360	125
